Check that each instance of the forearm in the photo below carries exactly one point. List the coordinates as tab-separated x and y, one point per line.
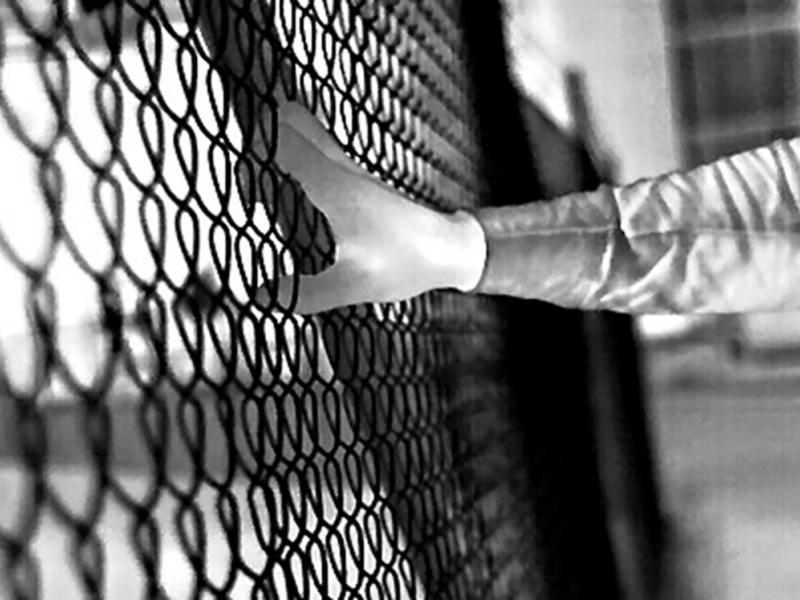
721	238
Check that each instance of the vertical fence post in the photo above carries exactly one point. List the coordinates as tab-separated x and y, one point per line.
547	353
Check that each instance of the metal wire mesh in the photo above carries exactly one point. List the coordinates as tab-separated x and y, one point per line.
169	428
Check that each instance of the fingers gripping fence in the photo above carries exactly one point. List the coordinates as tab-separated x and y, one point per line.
169	427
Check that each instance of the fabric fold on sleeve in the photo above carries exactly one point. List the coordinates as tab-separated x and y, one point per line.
721	238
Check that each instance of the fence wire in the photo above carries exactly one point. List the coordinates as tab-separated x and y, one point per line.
169	427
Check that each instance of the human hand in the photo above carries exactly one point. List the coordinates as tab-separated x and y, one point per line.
387	247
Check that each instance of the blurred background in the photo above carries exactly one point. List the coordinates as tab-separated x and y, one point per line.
671	84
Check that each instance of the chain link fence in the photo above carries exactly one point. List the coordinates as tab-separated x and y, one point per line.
168	427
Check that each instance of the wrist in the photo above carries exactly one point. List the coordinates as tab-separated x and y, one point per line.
468	240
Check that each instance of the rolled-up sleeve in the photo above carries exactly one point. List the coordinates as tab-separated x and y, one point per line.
721	238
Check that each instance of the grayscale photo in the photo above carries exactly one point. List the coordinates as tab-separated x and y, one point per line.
400	299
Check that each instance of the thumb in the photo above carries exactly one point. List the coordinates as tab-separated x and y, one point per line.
311	294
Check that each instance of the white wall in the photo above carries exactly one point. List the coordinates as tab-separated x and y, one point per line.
621	47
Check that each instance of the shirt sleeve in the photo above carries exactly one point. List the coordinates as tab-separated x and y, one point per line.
722	238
